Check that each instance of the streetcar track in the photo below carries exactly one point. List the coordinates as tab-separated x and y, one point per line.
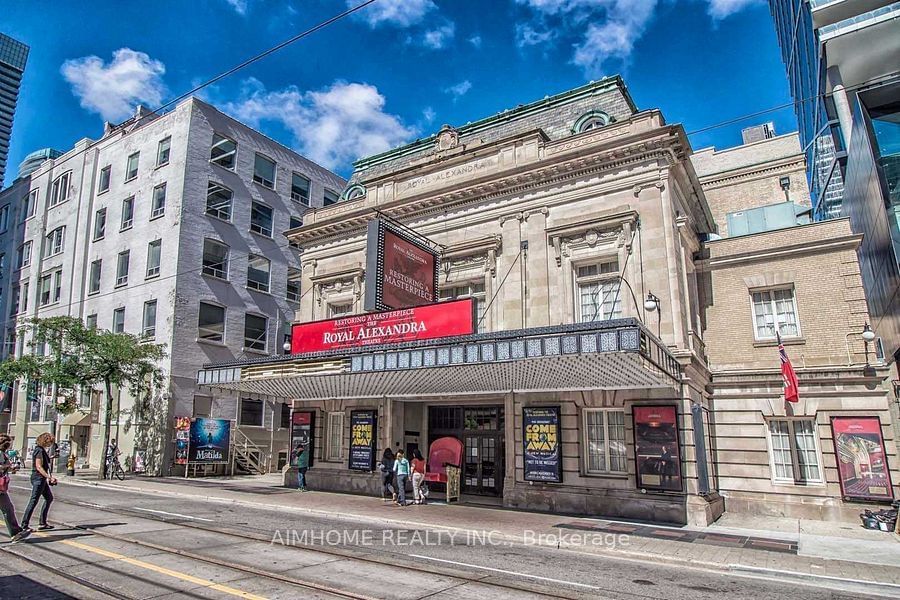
402	559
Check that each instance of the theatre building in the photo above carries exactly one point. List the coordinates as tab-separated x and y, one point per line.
545	272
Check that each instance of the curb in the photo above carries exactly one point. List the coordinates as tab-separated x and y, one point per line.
868	586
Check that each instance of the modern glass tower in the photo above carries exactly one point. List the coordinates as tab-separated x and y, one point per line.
13	56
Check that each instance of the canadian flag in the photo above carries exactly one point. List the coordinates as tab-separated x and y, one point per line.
791	384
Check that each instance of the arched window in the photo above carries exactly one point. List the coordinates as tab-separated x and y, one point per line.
355	191
591	120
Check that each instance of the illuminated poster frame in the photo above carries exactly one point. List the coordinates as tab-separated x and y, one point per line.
657	447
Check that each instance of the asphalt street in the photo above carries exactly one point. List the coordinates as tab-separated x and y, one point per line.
119	544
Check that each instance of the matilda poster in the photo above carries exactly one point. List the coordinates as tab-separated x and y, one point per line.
303	428
541	437
862	463
362	440
656	448
210	439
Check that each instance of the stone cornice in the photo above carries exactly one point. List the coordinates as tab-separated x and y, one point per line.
766	169
847	242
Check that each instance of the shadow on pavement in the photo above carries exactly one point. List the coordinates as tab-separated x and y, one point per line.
20	586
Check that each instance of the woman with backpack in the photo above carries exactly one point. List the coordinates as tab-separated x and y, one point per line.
386	468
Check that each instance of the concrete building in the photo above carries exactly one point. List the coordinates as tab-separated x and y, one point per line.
842	57
169	227
562	218
13	56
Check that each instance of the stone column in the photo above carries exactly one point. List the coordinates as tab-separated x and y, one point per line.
509	294
537	305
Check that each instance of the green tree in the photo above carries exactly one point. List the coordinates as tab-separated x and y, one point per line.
77	357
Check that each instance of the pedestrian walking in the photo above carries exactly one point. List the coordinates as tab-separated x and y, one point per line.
386	468
418	477
401	468
41	480
16	533
301	460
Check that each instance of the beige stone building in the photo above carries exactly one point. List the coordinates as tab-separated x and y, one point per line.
560	219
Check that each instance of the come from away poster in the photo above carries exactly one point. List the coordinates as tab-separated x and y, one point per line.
362	440
543	444
210	439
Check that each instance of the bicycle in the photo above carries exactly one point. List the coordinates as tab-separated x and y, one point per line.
114	468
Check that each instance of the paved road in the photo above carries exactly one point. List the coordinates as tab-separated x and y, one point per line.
125	545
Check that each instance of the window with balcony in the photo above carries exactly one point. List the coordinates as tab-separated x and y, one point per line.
794	451
264	171
158	206
258	273
122	268
219	201
211	323
154	258
61	189
223	152
127	213
775	312
94	276
255	332
300	189
148	323
261	219
215	259
118	321
99	224
105	177
131	167
54	242
597	292
162	151
604	441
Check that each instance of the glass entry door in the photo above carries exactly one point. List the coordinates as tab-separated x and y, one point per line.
483	470
480	428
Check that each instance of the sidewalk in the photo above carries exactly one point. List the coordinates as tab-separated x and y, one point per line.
803	551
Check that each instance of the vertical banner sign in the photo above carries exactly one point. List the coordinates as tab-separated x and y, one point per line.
182	435
542	440
401	270
861	459
210	439
362	440
303	431
657	447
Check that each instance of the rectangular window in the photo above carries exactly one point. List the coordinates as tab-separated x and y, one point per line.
91	321
300	189
154	258
105	176
773	309
30	205
122	268
25	288
285	416
53	243
99	224
148	326
211	323
255	332
215	259
258	271
162	151
293	284
119	320
597	292
604	441
264	171
59	191
251	412
218	201
339	310
23	255
335	436
131	169
94	282
4	218
295	222
158	207
2	264
474	290
127	213
49	288
331	197
794	451
261	219
14	299
223	151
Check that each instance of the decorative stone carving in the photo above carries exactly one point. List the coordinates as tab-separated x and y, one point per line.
447	138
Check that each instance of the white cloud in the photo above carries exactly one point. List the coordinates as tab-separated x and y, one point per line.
459	89
475	40
333	126
428	114
720	9
401	13
614	38
526	35
112	90
239	6
440	37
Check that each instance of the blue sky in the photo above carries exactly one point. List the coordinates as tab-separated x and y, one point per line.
393	72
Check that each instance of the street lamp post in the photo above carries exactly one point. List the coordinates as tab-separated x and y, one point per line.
652	304
868	337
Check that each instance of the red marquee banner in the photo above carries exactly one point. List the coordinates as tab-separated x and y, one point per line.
444	319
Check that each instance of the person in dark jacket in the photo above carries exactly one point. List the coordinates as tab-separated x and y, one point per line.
301	461
41	480
386	467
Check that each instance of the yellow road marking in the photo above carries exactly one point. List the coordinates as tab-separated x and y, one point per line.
145	565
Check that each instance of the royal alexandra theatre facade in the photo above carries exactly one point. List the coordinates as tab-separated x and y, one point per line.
489	284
